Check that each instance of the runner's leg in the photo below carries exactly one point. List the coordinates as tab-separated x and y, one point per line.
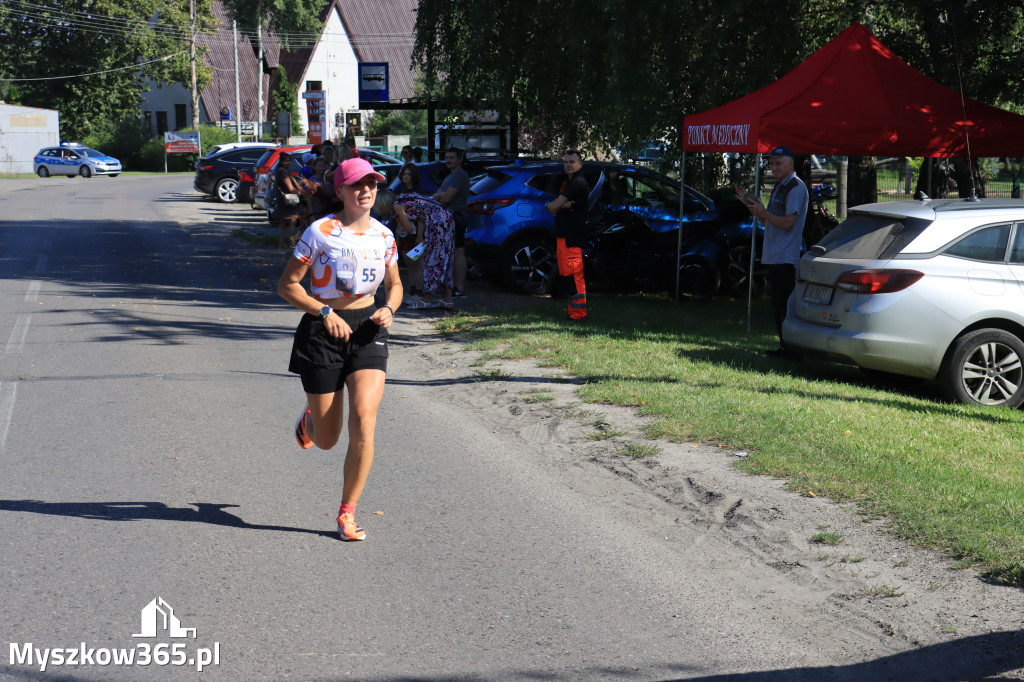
365	388
327	412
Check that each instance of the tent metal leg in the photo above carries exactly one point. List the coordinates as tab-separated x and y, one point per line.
682	215
753	245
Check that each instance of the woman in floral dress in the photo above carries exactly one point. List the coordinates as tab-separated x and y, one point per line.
435	228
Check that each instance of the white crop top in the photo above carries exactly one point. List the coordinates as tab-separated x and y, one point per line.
344	264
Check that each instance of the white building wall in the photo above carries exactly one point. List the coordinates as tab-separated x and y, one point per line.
164	99
23	132
335	64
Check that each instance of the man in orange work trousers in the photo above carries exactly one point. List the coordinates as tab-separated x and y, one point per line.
570	209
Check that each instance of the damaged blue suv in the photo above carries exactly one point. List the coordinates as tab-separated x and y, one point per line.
510	235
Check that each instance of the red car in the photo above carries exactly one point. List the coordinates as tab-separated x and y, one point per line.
262	172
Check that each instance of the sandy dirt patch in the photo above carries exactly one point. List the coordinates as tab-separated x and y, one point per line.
743	527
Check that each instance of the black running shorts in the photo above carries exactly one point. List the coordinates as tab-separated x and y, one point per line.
324	361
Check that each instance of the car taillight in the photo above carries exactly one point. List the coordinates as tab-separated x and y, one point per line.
877	281
488	206
206	167
245	176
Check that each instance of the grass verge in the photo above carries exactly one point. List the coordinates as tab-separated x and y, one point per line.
944	475
259	240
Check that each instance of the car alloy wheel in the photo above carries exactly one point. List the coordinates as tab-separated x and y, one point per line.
698	277
985	367
85	172
531	265
227	190
737	268
42	172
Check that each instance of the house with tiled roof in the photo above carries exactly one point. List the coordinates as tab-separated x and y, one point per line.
353	32
168	106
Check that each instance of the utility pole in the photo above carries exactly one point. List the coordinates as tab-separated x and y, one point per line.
238	96
192	62
259	80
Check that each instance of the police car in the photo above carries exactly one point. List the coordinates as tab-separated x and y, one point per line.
73	159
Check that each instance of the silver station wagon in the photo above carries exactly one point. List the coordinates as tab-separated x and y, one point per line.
930	288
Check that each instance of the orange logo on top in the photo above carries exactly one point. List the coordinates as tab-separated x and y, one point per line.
321	282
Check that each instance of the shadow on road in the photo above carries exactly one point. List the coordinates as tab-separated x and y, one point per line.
204	512
978	658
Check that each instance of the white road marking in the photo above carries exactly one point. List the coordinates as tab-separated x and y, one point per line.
33	291
8	392
16	343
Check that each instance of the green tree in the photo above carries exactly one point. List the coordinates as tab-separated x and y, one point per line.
90	59
602	73
295	22
411	122
283	99
597	74
980	39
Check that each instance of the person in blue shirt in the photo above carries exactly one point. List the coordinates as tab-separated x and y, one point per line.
783	221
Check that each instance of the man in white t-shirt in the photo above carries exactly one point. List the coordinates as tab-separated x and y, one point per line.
783	222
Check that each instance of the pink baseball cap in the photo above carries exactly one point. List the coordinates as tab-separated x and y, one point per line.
352	171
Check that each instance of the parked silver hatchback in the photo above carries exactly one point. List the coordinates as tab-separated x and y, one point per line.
931	288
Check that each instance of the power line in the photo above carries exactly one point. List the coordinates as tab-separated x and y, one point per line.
95	73
97	23
48	18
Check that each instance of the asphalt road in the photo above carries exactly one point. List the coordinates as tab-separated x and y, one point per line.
146	452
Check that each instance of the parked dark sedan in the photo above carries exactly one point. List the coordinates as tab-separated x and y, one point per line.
218	174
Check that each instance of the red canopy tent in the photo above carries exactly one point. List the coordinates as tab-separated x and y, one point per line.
855	97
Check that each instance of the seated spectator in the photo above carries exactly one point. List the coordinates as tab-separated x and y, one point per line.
317	192
287	213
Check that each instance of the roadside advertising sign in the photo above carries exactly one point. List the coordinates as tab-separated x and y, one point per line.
315	114
181	143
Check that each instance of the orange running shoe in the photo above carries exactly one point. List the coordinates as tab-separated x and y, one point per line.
348	529
301	435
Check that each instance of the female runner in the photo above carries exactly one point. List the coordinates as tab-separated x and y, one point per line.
341	341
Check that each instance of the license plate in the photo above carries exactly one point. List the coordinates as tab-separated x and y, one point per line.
818	294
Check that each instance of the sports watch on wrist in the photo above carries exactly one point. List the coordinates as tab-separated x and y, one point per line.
325	311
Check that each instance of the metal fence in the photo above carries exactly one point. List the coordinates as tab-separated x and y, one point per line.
893	179
885	179
902	177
